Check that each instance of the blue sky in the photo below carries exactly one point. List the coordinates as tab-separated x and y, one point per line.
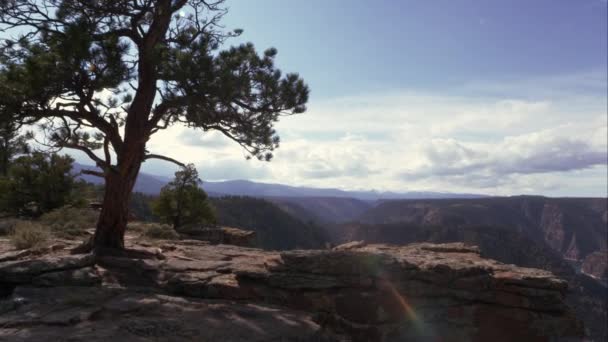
495	97
350	47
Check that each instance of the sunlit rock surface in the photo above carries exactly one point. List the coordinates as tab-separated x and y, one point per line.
192	290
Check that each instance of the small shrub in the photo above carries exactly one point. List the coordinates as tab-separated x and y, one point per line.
159	231
68	222
27	234
137	227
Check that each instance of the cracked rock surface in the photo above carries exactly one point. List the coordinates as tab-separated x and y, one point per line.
191	290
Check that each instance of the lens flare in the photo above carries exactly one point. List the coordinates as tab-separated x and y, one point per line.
421	328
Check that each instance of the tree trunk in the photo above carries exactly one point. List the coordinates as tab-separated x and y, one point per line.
114	215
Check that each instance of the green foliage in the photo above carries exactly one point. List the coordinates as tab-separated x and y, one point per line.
275	229
38	183
84	47
11	144
183	202
28	234
70	222
57	56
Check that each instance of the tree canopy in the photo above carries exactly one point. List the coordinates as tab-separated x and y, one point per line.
79	52
12	144
102	76
38	183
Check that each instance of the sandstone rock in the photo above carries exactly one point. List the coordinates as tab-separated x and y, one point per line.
14	255
356	292
92	314
23	271
596	266
219	235
87	276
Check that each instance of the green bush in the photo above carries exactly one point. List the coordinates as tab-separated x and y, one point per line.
28	234
38	183
68	222
182	202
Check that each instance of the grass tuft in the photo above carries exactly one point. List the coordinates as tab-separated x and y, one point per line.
26	234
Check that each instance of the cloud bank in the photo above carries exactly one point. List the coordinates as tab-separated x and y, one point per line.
501	139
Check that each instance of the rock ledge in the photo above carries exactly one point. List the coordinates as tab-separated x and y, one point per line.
353	292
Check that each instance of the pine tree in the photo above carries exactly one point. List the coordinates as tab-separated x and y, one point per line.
104	76
182	202
38	183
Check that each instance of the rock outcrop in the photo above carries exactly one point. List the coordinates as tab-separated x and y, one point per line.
572	227
216	235
596	266
195	290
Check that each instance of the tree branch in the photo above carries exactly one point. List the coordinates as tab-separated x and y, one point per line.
158	156
98	161
93	173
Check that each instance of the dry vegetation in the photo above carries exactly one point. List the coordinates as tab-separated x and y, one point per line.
153	230
27	234
65	223
69	222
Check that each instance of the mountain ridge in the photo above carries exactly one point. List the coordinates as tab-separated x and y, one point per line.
152	184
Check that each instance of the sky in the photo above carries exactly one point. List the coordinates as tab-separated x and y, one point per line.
493	97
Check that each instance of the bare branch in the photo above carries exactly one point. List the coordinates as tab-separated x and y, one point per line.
92	173
98	161
158	156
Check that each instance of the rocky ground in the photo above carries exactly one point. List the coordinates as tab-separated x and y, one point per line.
191	290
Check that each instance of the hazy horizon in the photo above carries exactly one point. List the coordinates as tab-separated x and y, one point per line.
468	97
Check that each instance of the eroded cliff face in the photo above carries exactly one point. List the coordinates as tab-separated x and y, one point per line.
189	290
587	296
573	227
596	266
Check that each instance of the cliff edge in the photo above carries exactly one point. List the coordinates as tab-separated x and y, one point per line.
185	290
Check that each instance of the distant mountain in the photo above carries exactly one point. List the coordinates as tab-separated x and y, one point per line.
151	184
146	183
255	189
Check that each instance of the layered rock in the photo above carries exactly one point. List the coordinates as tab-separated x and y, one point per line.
573	227
353	292
107	314
596	266
219	235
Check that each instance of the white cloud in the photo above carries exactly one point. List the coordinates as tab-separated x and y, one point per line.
530	136
196	137
538	152
229	169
